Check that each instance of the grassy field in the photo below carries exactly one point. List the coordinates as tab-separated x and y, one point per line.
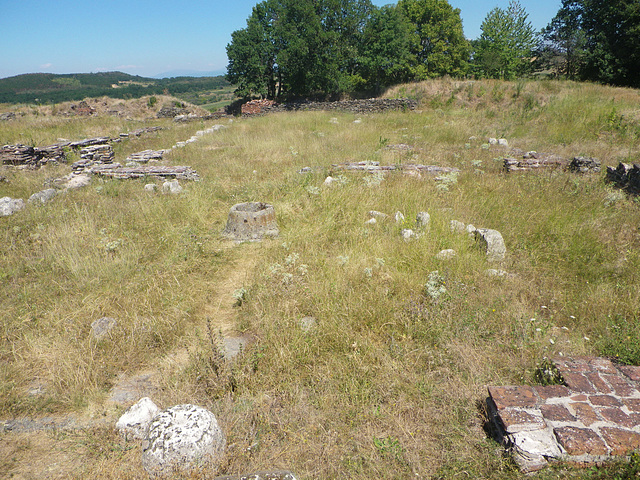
391	382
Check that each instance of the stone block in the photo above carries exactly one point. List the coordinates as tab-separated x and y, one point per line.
585	413
580	441
597	381
552	391
604	401
251	221
578	382
621	386
620	441
617	416
556	413
515	396
633	404
632	372
516	420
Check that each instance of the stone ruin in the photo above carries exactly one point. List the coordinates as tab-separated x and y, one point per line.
592	415
371	105
626	177
251	221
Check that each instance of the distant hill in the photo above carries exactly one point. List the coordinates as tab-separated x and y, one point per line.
188	73
54	88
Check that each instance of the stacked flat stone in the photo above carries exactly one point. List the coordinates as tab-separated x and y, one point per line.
593	416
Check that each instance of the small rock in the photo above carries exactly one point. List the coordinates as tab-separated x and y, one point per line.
101	327
77	181
43	196
9	206
492	242
180	439
399	217
503	142
334	120
584	165
447	254
371	221
471	230
493	141
457	227
374	214
150	187
305	170
423	219
408	234
134	423
172	186
329	181
357	120
308	323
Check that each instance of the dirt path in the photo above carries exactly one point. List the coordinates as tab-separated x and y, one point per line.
44	447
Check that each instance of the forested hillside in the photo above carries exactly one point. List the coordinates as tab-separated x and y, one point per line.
52	88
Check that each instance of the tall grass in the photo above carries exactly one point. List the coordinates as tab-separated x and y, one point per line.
390	381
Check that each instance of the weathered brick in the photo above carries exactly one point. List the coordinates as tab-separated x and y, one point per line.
515	396
516	420
584	413
620	385
572	365
605	401
620	441
603	365
579	398
556	413
552	391
580	441
632	404
630	371
578	383
598	382
617	416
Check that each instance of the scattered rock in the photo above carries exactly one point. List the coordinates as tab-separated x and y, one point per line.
181	439
399	217
423	220
471	230
447	254
172	187
457	227
134	423
251	221
492	272
375	215
584	165
503	142
268	475
7	116
408	234
371	221
305	170
101	327
308	323
329	181
492	242
9	206
77	181
43	196
626	177
150	187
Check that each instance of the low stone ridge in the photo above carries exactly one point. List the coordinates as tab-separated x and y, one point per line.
118	171
372	105
181	439
376	167
526	161
625	176
594	415
269	475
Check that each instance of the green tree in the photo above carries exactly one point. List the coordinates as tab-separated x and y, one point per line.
440	46
504	49
562	47
386	57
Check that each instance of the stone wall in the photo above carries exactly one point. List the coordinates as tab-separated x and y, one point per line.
372	105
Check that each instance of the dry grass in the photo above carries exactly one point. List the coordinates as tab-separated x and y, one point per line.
390	382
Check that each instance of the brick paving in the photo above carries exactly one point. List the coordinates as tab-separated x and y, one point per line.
594	415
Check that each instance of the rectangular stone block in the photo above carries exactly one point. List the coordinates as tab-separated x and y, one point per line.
516	420
515	396
632	372
572	365
556	413
552	391
621	386
597	381
604	401
584	413
617	416
633	404
620	441
602	365
580	441
578	382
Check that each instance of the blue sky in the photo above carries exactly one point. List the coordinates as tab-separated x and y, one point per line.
144	37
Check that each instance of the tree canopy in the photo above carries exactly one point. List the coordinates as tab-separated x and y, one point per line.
504	49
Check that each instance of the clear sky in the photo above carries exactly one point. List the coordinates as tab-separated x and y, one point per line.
147	38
